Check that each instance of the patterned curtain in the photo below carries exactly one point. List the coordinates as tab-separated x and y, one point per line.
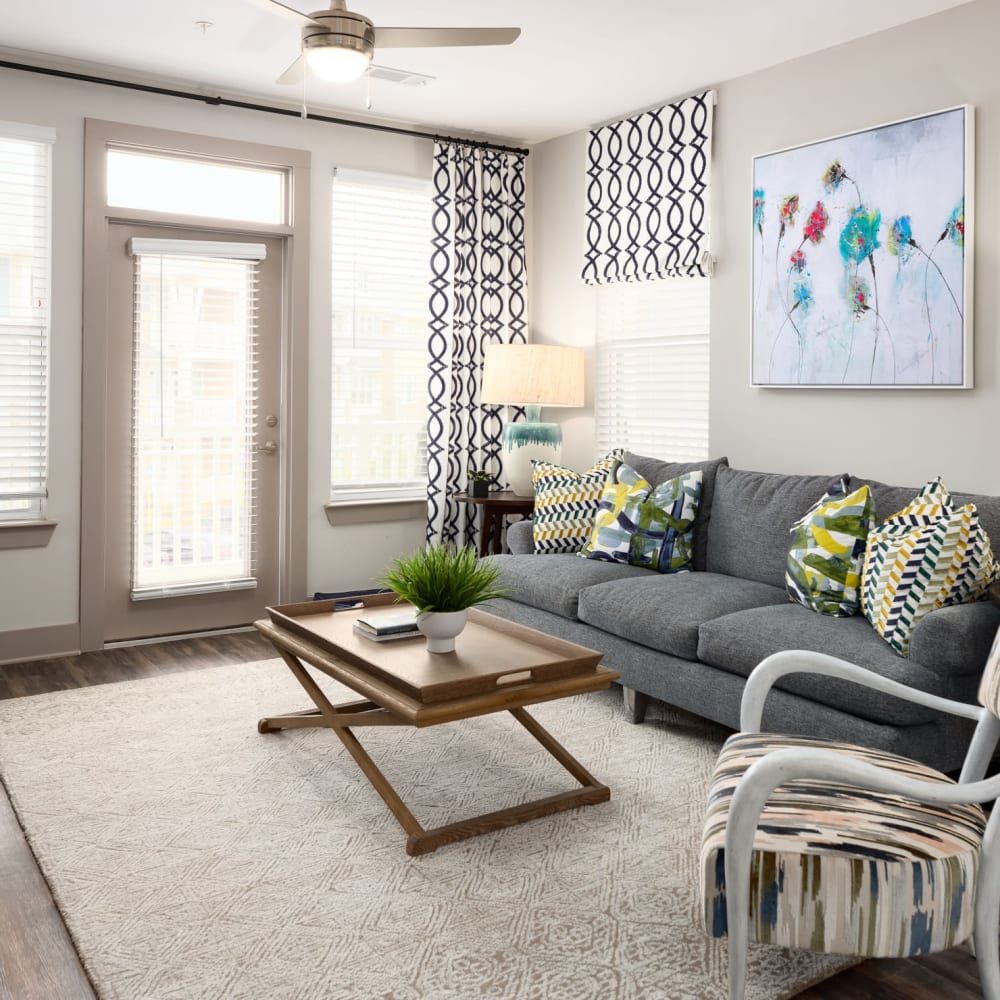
647	193
478	296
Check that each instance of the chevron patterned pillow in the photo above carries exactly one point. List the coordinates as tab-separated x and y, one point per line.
566	503
927	556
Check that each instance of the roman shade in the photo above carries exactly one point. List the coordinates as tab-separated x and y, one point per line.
647	194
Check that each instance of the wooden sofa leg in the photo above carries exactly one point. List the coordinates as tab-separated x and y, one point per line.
635	704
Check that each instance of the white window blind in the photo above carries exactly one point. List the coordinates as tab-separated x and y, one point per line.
25	212
652	368
381	287
194	416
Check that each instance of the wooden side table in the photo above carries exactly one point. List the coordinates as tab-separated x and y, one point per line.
495	507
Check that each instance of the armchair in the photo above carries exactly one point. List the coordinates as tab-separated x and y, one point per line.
843	849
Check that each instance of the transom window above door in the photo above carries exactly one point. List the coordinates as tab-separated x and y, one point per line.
158	182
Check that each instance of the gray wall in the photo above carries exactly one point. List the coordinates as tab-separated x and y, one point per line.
900	436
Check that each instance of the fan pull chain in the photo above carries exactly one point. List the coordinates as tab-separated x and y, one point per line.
368	88
305	74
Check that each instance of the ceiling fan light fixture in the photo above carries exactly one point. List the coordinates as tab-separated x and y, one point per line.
336	64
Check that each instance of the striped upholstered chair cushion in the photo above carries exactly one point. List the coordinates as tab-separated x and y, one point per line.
839	869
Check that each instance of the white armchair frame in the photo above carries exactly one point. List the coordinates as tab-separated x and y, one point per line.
781	766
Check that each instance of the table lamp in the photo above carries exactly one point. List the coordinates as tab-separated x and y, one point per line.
532	376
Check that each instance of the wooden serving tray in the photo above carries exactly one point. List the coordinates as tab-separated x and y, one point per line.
491	654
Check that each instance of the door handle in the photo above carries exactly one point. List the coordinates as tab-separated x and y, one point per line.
268	447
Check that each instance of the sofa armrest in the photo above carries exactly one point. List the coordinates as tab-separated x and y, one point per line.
521	538
795	661
956	640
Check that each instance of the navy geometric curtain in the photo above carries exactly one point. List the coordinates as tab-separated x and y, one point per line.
647	194
478	296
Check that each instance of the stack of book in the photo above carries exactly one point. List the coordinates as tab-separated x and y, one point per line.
385	624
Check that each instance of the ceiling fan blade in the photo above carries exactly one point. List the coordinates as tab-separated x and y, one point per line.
294	73
283	10
423	38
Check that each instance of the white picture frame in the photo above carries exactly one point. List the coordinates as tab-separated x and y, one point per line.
830	311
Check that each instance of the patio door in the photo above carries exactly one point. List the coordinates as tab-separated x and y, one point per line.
192	477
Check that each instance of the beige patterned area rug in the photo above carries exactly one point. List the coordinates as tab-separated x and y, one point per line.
193	858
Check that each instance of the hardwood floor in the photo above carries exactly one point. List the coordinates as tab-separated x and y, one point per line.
37	958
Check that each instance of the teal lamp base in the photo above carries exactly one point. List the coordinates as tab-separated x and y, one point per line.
525	442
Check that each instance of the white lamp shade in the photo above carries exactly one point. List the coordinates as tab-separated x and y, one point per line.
532	375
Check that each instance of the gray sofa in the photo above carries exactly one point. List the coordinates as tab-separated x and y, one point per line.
691	639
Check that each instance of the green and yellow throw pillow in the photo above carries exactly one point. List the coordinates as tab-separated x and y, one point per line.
827	553
612	529
643	526
566	502
928	555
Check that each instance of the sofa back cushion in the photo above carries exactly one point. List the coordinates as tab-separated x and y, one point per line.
890	499
656	472
752	513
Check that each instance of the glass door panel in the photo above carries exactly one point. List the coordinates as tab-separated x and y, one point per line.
194	419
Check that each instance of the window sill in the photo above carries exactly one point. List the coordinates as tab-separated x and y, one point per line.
26	534
340	512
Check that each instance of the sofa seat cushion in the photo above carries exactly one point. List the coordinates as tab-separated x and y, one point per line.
554	582
738	642
664	612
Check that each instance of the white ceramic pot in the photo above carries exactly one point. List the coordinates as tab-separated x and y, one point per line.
441	627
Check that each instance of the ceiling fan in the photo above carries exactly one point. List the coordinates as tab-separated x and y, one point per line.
338	44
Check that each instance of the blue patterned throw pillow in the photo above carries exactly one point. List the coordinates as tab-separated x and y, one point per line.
643	526
664	537
611	535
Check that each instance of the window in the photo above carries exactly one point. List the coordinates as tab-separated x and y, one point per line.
25	193
652	368
158	182
381	284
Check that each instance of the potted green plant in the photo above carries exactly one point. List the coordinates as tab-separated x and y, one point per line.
479	482
442	583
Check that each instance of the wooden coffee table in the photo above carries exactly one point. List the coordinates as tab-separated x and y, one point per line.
497	666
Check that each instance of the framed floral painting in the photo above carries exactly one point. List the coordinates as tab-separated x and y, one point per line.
862	258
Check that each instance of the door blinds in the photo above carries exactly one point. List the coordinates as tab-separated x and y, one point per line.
25	195
193	417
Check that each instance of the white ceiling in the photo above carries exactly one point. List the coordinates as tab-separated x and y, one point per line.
577	63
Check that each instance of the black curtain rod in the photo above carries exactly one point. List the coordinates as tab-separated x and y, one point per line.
248	106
